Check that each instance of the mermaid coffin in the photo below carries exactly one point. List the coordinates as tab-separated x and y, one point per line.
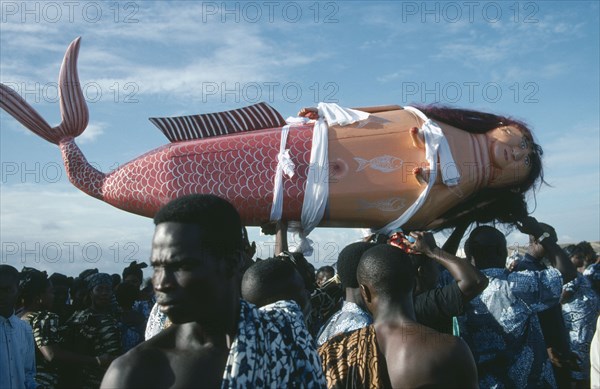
377	167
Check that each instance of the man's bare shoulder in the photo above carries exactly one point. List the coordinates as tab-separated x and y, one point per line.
420	356
452	362
143	365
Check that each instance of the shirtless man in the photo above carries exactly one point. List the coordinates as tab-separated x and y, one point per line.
395	351
217	339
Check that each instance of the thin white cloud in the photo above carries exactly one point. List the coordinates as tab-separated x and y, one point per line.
393	76
91	133
574	151
216	53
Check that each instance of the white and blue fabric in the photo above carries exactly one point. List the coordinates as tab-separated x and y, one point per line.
272	349
503	331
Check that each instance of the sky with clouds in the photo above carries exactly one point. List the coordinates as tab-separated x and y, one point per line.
537	61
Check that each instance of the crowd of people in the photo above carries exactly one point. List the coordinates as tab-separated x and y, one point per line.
393	311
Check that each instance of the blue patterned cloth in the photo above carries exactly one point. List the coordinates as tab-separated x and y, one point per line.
592	273
351	317
144	307
272	349
502	329
580	311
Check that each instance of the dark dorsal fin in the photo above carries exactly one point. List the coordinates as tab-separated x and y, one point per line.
253	117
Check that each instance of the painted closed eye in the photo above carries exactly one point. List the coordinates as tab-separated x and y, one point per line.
524	144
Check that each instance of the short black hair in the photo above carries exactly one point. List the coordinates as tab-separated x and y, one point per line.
326	269
485	241
268	281
303	267
571	250
348	260
10	272
59	279
32	284
388	270
126	294
586	249
116	279
219	220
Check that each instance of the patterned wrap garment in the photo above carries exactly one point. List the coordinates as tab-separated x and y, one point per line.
580	312
592	273
502	329
350	318
45	326
352	360
93	334
324	301
272	349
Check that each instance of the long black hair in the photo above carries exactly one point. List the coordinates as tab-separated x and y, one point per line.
506	205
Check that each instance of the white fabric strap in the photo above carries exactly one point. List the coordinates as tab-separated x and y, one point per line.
450	173
284	166
316	193
435	144
336	115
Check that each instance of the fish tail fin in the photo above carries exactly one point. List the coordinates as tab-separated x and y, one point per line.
73	108
18	108
362	163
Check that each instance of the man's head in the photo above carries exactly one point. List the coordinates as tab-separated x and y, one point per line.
302	266
126	295
9	282
61	284
347	265
271	280
196	255
575	255
116	279
588	253
323	274
486	246
385	274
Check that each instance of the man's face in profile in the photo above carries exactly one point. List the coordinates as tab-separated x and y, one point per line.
188	279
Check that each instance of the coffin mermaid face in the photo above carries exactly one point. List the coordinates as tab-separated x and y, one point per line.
509	150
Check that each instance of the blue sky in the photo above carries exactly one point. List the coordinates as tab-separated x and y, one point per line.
536	61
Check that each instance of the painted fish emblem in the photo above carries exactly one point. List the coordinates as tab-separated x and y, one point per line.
392	204
383	163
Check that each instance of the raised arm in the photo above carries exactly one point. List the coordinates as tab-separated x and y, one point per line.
281	243
471	281
279	229
453	242
551	250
